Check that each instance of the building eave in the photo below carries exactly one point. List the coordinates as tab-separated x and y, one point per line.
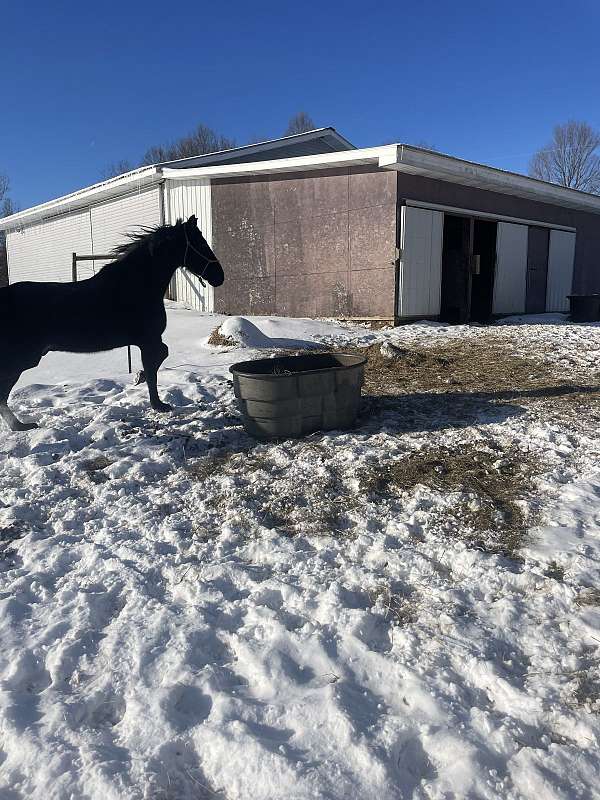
430	164
136	180
364	156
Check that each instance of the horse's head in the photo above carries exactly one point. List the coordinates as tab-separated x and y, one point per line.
198	258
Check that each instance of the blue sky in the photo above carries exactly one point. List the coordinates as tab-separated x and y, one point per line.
84	85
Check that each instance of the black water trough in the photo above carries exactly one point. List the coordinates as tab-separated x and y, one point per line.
295	395
585	307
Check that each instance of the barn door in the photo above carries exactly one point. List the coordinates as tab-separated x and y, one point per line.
420	263
537	270
560	270
511	269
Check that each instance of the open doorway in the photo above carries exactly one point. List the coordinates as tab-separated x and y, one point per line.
456	284
484	266
468	266
538	244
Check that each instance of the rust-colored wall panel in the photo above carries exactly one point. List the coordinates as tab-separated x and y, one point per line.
372	292
246	250
244	199
290	254
309	195
248	295
372	237
368	188
243	239
314	295
312	245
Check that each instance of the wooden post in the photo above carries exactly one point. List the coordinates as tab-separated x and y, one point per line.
74	268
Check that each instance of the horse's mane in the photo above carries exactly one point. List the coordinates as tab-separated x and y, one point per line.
136	240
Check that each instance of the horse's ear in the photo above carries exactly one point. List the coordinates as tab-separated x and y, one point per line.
192	221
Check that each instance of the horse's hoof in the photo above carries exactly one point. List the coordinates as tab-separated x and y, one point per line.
162	407
140	377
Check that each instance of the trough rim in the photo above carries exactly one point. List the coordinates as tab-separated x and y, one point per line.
237	369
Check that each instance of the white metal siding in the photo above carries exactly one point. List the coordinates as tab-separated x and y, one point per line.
421	262
511	269
43	251
560	270
184	198
111	221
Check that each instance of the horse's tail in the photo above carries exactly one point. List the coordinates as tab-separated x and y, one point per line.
6	310
4	302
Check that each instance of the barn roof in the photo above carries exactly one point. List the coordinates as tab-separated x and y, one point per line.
319	140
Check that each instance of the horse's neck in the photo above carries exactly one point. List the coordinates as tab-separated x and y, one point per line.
163	273
155	276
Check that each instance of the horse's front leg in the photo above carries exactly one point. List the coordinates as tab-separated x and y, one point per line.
6	384
153	355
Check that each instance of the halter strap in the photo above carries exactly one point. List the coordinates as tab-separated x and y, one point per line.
190	246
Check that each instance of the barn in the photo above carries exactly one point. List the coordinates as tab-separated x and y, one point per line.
311	226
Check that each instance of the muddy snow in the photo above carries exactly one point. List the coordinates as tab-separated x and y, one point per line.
410	609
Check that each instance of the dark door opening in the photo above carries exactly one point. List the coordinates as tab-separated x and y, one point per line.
483	269
468	267
538	242
456	279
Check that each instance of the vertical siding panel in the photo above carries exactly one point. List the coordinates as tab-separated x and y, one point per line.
187	197
511	269
435	275
421	263
113	220
560	270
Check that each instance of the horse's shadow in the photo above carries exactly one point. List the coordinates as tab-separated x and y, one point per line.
426	412
393	414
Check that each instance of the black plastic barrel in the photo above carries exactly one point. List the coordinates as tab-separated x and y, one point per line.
291	396
585	307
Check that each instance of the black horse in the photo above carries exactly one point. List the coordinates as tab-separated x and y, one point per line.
122	305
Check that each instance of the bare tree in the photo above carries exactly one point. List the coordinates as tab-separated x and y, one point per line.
571	158
202	140
6	209
4	187
300	123
117	168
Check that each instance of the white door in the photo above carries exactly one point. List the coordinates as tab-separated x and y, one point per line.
510	281
421	262
560	270
184	198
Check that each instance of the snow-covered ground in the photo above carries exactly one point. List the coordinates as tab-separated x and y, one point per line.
186	613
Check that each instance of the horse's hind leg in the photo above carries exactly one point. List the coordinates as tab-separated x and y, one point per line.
6	384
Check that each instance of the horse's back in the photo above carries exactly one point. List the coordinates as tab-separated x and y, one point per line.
27	303
95	314
27	309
